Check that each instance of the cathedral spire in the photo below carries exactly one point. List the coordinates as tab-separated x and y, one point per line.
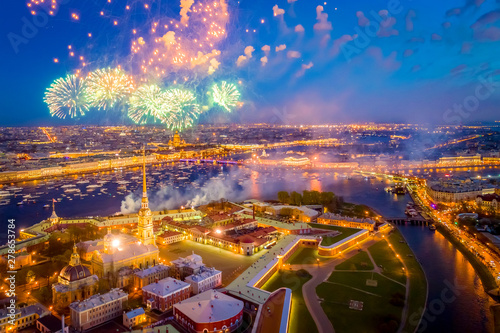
144	204
145	223
75	257
54	215
144	191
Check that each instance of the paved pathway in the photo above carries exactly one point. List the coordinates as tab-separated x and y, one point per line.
320	274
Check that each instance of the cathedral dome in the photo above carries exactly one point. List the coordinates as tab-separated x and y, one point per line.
74	273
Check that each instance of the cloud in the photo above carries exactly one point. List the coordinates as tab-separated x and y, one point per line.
362	20
291	1
141	41
417	40
337	44
484	28
458	69
293	54
436	37
324	40
490	34
409	19
203	58
169	39
303	69
248	51
185	8
241	59
408	53
453	12
299	28
263	60
466	47
388	63
214	65
266	48
386	25
278	11
280	47
323	23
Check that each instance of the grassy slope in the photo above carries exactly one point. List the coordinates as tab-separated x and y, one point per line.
301	320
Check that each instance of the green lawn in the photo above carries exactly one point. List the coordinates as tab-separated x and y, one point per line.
384	256
329	240
306	256
301	320
378	313
418	284
359	262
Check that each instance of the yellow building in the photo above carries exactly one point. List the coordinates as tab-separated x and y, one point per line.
22	317
177	141
75	283
124	251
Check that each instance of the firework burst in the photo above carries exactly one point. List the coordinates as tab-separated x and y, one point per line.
226	95
147	103
107	87
66	97
183	109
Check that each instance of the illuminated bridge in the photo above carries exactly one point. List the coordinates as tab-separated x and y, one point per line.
207	160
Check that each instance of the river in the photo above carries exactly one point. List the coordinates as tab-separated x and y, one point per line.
174	185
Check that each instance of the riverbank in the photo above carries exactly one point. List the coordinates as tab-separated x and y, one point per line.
417	281
482	271
487	280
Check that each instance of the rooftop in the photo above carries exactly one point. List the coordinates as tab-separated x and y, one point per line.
152	270
204	273
210	306
165	287
26	311
98	300
135	313
53	323
337	217
244	284
169	234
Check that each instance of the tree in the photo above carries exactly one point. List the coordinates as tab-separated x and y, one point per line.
315	197
30	277
296	199
326	198
74	233
286	211
45	295
306	197
284	197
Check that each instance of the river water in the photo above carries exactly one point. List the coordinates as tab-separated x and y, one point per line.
170	186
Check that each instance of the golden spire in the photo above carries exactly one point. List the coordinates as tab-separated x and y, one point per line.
144	194
144	204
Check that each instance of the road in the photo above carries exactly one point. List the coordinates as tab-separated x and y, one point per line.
486	255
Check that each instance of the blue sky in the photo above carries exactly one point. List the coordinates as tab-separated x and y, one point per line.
344	61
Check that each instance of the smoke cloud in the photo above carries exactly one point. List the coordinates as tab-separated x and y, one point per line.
280	48
293	54
299	28
231	187
323	23
278	11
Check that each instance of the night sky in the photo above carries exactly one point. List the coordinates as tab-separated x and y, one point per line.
345	61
